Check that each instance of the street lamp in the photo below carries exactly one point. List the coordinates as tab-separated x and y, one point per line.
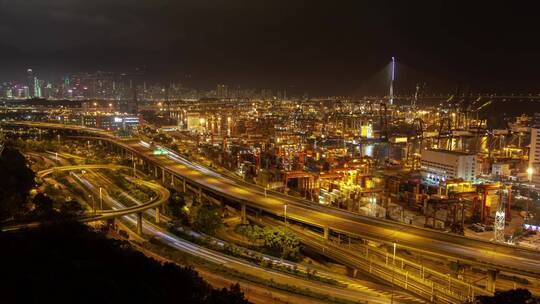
394	258
530	172
93	203
100	199
393	272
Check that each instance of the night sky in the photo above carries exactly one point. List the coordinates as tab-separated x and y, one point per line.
323	47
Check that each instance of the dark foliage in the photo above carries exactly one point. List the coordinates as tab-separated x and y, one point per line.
207	219
516	296
43	206
176	207
67	262
16	181
71	208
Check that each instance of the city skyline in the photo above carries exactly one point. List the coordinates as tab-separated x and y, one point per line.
235	152
331	50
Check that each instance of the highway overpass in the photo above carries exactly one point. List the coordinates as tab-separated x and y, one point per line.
157	202
489	255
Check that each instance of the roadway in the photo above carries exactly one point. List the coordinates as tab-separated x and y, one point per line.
509	258
352	292
489	254
161	198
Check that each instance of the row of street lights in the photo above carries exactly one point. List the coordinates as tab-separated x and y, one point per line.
100	200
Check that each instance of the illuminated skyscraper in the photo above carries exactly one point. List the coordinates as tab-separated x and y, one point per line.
30	82
37	88
222	91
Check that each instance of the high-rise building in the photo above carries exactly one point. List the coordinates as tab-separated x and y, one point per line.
37	88
535	123
222	91
47	90
23	92
30	82
534	158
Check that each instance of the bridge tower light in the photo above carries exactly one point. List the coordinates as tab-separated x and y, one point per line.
392	79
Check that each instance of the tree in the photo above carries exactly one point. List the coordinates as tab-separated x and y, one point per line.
71	208
231	296
43	207
207	219
77	257
281	242
16	182
516	296
253	232
278	240
177	207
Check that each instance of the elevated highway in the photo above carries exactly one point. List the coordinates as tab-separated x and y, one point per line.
161	198
489	255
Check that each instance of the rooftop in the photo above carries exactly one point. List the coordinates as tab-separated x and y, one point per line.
458	153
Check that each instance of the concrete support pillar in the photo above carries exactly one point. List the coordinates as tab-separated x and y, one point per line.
258	213
163	176
139	223
326	232
200	194
491	280
184	185
156	172
172	180
243	208
158	214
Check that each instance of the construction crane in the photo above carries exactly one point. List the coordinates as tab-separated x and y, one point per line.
383	122
384	133
414	101
505	194
445	131
499	223
417	134
168	100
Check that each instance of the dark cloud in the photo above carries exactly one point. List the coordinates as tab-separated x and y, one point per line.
324	46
